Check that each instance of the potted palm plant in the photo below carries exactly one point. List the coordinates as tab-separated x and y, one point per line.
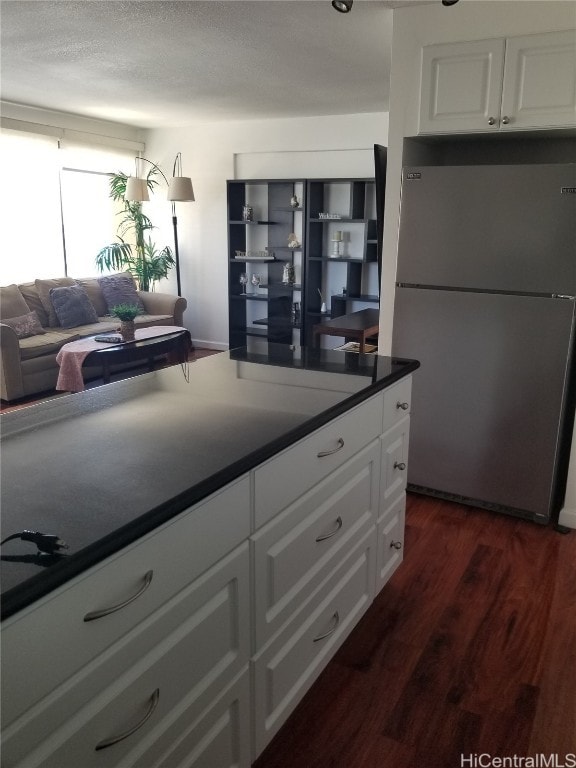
126	314
135	251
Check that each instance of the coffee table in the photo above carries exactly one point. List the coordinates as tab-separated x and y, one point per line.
149	344
177	344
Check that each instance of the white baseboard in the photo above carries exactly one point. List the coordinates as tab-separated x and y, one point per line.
203	344
567	517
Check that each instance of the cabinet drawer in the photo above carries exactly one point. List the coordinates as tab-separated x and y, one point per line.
397	402
288	666
194	646
176	554
395	445
287	476
218	738
390	542
299	548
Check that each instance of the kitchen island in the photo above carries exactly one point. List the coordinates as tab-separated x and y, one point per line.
213	512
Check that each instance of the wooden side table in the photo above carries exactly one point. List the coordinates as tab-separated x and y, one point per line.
355	326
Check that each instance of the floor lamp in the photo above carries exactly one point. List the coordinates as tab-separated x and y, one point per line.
179	190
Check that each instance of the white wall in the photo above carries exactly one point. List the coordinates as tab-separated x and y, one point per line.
423	25
215	152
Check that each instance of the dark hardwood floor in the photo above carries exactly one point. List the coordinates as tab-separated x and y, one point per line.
469	649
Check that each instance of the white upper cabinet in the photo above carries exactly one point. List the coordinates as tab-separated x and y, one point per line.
539	88
500	84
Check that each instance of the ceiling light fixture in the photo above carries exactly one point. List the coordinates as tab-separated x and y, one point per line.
449	2
179	190
344	6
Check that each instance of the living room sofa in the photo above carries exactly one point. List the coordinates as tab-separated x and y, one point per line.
28	357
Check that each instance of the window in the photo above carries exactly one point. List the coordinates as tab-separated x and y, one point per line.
57	213
89	218
30	204
89	215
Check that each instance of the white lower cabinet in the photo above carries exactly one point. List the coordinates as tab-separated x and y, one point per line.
298	549
218	738
143	578
190	648
286	668
117	707
395	444
390	550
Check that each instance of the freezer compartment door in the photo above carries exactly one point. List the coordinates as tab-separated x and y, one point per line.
487	400
498	228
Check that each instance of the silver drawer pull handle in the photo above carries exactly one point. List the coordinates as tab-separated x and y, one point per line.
403	406
334	450
332	533
336	619
396	545
121	736
399	465
105	611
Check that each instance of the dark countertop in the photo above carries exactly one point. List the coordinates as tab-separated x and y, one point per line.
103	467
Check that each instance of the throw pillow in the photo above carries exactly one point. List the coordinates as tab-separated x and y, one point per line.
120	289
92	288
12	303
32	298
25	325
44	287
72	306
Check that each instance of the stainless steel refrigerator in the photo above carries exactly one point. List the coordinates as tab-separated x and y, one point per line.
485	292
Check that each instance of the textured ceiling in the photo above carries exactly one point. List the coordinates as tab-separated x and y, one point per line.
157	62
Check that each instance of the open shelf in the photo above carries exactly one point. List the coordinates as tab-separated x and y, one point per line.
337	280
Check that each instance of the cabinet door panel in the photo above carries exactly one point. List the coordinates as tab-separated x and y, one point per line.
216	738
390	541
192	649
287	476
177	553
461	86
397	402
540	81
288	666
395	445
299	549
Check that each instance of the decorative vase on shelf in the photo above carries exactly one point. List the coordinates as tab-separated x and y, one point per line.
294	202
323	308
127	328
288	274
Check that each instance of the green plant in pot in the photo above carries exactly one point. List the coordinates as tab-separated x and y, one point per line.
135	251
126	314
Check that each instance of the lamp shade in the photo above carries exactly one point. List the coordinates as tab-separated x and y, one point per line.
136	189
180	189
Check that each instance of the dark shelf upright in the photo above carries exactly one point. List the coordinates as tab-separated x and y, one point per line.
267	312
353	201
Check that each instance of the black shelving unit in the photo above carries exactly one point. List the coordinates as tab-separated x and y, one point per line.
346	281
266	312
348	207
